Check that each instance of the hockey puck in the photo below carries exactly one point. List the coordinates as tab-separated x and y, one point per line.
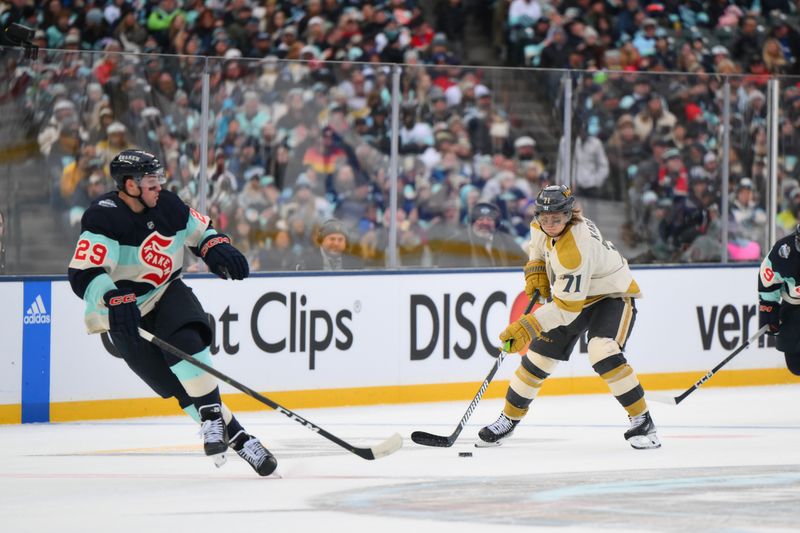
465	454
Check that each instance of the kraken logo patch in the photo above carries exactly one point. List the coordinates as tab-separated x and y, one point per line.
783	251
153	253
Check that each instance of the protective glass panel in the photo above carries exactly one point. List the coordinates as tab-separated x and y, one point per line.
645	162
788	197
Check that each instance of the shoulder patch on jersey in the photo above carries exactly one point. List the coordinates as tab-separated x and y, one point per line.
107	203
784	251
568	254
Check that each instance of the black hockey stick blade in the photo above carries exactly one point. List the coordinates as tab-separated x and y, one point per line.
429	439
663	398
387	447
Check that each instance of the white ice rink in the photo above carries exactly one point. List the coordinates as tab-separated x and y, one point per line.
730	461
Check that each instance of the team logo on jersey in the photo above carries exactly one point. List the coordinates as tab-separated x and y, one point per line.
783	251
106	203
150	224
152	253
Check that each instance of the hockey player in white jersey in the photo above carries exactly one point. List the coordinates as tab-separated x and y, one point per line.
589	287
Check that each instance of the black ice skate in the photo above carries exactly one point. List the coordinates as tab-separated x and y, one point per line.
212	429
494	434
642	433
251	450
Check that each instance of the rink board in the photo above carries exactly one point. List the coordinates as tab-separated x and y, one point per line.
368	338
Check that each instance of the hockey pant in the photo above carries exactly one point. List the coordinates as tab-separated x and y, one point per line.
609	324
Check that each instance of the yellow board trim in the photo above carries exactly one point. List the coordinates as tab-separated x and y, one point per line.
10	414
438	392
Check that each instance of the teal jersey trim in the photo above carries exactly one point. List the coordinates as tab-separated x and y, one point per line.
96	289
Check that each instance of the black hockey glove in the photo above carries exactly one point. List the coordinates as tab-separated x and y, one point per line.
769	315
123	320
222	258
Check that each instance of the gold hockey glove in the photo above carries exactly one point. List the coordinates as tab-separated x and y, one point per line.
520	333
536	278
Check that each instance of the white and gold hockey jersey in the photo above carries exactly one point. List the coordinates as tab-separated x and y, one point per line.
583	268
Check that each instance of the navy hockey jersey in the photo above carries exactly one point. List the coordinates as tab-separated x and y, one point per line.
779	274
143	251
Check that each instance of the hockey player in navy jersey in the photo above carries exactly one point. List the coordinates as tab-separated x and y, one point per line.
127	269
779	297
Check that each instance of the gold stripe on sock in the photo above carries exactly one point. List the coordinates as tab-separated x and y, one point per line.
525	384
639	407
617	374
624	385
514	413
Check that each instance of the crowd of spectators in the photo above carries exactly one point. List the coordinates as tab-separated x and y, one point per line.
300	112
654	141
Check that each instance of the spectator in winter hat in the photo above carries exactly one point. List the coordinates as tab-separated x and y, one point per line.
72	40
655	117
333	250
719	55
115	143
673	179
524	149
746	217
710	165
645	39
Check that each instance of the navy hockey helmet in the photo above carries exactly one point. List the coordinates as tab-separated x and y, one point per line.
135	164
554	199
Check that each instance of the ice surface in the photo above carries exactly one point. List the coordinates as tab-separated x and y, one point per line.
730	460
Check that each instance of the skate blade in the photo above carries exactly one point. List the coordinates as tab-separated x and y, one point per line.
644	442
484	444
219	459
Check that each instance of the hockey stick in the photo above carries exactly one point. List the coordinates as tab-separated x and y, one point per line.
429	439
678	399
389	446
